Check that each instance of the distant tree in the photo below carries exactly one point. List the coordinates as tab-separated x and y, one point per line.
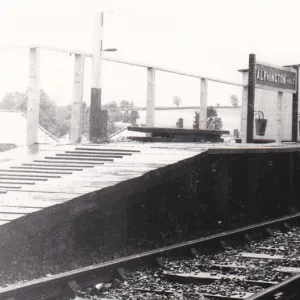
131	104
196	120
126	105
119	116
134	116
49	118
213	121
63	120
85	118
113	105
218	104
14	101
126	117
177	101
55	119
47	114
111	128
234	100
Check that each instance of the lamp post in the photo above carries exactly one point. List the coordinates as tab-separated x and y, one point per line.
98	117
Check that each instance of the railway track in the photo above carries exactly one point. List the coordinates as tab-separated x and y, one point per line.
261	261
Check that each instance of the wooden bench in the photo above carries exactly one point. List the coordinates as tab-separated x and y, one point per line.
161	134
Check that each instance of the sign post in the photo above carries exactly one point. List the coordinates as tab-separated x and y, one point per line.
295	108
279	117
266	76
251	97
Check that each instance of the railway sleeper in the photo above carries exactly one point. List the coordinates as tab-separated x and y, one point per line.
206	278
215	296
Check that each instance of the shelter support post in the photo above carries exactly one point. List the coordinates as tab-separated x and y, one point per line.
33	105
244	109
150	109
279	117
203	105
76	118
98	118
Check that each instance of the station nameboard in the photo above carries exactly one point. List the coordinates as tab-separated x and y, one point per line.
275	78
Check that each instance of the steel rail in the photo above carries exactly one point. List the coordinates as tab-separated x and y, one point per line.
286	288
49	287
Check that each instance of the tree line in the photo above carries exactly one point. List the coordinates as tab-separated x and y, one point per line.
234	100
57	119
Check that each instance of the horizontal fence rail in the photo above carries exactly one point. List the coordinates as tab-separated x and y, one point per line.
150	101
127	62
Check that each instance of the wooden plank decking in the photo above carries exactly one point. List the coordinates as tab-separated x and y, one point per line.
36	179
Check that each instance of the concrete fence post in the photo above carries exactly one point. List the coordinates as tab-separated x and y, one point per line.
76	118
279	117
98	123
150	109
33	104
203	105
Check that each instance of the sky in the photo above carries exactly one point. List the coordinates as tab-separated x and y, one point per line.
213	38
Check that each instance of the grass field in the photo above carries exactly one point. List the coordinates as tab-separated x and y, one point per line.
168	118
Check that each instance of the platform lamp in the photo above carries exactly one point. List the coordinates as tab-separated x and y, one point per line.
98	117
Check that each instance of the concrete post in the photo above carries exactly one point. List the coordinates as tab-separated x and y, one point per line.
279	117
203	105
33	104
244	108
76	118
98	125
150	109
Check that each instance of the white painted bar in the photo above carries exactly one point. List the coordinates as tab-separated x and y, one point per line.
203	105
76	117
279	117
33	104
132	63
244	108
150	109
97	51
49	48
178	72
97	124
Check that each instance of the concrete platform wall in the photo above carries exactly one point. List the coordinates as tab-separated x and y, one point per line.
220	189
198	193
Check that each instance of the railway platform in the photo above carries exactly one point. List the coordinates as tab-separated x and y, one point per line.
54	198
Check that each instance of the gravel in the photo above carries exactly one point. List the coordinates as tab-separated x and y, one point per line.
32	268
156	279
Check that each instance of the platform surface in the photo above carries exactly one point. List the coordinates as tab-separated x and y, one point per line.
33	179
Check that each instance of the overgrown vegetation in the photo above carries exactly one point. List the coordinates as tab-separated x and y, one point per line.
234	100
124	112
57	119
213	121
177	100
